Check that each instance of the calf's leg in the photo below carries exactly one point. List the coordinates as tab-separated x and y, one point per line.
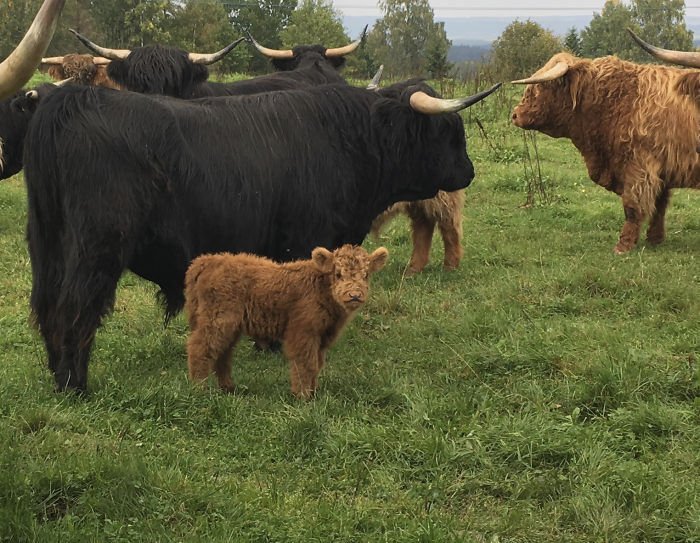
305	362
657	231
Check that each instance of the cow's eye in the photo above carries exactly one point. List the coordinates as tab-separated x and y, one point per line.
338	275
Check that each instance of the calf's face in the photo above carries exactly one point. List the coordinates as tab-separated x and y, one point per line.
349	268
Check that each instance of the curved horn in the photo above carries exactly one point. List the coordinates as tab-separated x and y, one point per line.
271	53
555	72
211	58
374	84
52	60
19	66
63	82
690	59
111	54
342	51
424	103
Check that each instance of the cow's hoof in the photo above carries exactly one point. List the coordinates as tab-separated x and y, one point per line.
621	249
655	239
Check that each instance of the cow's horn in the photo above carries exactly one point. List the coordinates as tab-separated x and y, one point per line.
555	72
424	103
111	54
690	59
211	58
374	84
19	66
63	82
52	60
271	53
342	51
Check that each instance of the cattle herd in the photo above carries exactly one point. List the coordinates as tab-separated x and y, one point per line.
133	160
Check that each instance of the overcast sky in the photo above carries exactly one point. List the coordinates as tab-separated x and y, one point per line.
497	8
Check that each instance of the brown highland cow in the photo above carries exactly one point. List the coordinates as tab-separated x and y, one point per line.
304	304
82	69
637	135
443	210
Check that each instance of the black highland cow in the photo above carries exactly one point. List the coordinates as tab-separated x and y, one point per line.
118	180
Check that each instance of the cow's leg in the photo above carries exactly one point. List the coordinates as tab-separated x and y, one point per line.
451	232
222	367
630	230
422	228
210	344
657	231
86	296
305	361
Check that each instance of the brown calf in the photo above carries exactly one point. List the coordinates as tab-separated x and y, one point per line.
637	135
445	210
304	304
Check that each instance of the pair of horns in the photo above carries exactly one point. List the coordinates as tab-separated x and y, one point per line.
424	103
288	53
19	66
683	58
97	61
120	54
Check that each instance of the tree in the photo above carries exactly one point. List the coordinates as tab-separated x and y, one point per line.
661	22
202	26
523	48
572	41
265	20
315	21
406	36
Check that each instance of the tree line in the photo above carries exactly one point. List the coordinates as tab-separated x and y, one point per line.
407	40
524	46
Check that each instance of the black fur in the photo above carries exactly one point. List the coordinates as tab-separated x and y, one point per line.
118	180
157	69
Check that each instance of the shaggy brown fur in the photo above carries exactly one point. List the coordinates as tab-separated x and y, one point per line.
305	304
445	210
83	71
637	135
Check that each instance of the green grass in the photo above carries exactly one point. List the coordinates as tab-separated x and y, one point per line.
547	391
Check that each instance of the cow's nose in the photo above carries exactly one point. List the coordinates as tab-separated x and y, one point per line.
356	296
514	116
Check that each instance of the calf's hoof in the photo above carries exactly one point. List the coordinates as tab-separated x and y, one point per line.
622	248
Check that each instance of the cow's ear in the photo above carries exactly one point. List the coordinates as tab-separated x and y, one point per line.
378	259
322	259
56	72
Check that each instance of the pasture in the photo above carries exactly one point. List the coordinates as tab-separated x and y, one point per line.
547	391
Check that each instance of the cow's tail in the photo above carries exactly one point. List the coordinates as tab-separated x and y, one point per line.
45	230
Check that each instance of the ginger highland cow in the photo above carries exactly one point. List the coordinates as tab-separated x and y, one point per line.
304	304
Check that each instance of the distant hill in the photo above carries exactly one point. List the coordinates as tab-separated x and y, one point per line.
472	36
462	53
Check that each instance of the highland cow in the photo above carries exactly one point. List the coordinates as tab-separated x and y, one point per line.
443	210
637	135
82	69
305	304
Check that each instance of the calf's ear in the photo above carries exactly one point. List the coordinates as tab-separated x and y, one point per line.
322	259
378	259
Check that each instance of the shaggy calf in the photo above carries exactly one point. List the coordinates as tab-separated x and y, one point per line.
305	304
443	210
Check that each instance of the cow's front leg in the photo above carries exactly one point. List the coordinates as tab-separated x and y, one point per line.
304	355
630	230
657	229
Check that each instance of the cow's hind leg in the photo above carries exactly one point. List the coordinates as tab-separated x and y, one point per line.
86	296
209	347
657	230
422	227
222	367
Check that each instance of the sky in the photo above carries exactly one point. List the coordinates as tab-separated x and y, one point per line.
497	8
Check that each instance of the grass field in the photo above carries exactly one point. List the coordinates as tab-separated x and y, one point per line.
547	391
